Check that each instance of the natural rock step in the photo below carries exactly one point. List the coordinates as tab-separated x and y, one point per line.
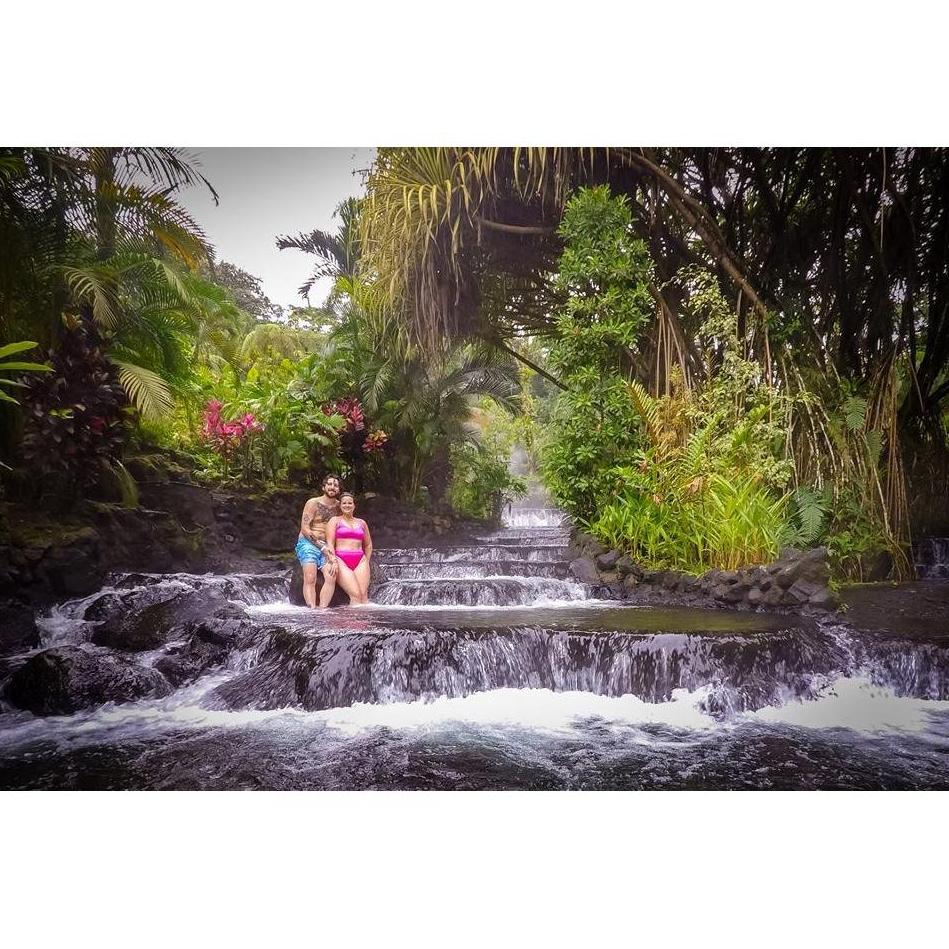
461	570
507	591
475	554
746	672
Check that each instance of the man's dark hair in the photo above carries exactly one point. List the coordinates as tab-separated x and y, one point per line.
332	477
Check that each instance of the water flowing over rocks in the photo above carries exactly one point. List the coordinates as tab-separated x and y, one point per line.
932	559
46	558
746	672
65	679
520	657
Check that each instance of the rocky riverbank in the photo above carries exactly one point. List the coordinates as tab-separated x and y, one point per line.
178	525
797	581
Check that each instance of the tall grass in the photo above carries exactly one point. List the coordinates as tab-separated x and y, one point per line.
717	521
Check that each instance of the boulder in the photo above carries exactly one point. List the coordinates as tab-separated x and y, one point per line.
18	631
65	679
759	577
142	619
626	567
589	545
609	560
814	566
786	573
208	644
824	599
584	570
138	630
801	591
773	597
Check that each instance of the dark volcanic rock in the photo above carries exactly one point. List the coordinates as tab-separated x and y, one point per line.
134	626
65	679
18	630
796	580
73	569
138	630
584	570
589	545
609	560
626	567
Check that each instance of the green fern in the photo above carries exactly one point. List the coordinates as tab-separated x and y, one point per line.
855	413
874	442
810	508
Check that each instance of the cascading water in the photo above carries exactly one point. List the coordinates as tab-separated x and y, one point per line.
932	559
483	664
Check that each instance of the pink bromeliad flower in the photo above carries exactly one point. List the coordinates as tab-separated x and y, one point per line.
226	436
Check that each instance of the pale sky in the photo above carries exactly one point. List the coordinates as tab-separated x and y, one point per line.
269	191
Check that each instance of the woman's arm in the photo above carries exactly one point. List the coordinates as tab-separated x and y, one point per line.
367	541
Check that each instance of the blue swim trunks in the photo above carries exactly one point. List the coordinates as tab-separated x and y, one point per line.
308	552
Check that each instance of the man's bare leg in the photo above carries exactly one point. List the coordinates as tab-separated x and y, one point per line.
329	586
309	584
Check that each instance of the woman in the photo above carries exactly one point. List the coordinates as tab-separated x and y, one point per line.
348	539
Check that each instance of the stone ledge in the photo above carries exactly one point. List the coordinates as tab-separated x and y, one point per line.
797	581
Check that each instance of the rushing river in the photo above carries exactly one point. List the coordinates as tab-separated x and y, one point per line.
484	666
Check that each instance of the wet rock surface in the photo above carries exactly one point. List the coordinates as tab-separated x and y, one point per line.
491	664
18	630
65	679
339	598
178	525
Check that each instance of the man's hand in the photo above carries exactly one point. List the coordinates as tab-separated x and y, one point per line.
331	566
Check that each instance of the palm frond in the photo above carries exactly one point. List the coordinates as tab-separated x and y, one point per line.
146	390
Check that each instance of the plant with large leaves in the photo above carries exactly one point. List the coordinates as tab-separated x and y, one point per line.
18	366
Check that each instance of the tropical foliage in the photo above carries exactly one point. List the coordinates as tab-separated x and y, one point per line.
706	353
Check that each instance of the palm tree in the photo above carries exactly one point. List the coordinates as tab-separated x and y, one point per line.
71	206
338	254
99	230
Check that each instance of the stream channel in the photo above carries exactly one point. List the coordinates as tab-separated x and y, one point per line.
483	666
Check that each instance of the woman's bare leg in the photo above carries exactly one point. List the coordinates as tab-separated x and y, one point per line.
347	580
362	578
309	584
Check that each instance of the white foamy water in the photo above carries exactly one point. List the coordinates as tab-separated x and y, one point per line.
525	708
287	608
856	704
852	704
534	517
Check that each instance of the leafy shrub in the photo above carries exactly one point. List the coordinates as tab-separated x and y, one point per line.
74	426
708	486
603	276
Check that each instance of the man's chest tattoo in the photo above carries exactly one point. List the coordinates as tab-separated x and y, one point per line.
322	512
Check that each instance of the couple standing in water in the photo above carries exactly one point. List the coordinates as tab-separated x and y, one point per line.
335	542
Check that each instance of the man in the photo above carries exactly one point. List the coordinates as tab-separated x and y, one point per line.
311	546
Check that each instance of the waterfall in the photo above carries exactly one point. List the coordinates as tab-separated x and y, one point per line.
932	559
